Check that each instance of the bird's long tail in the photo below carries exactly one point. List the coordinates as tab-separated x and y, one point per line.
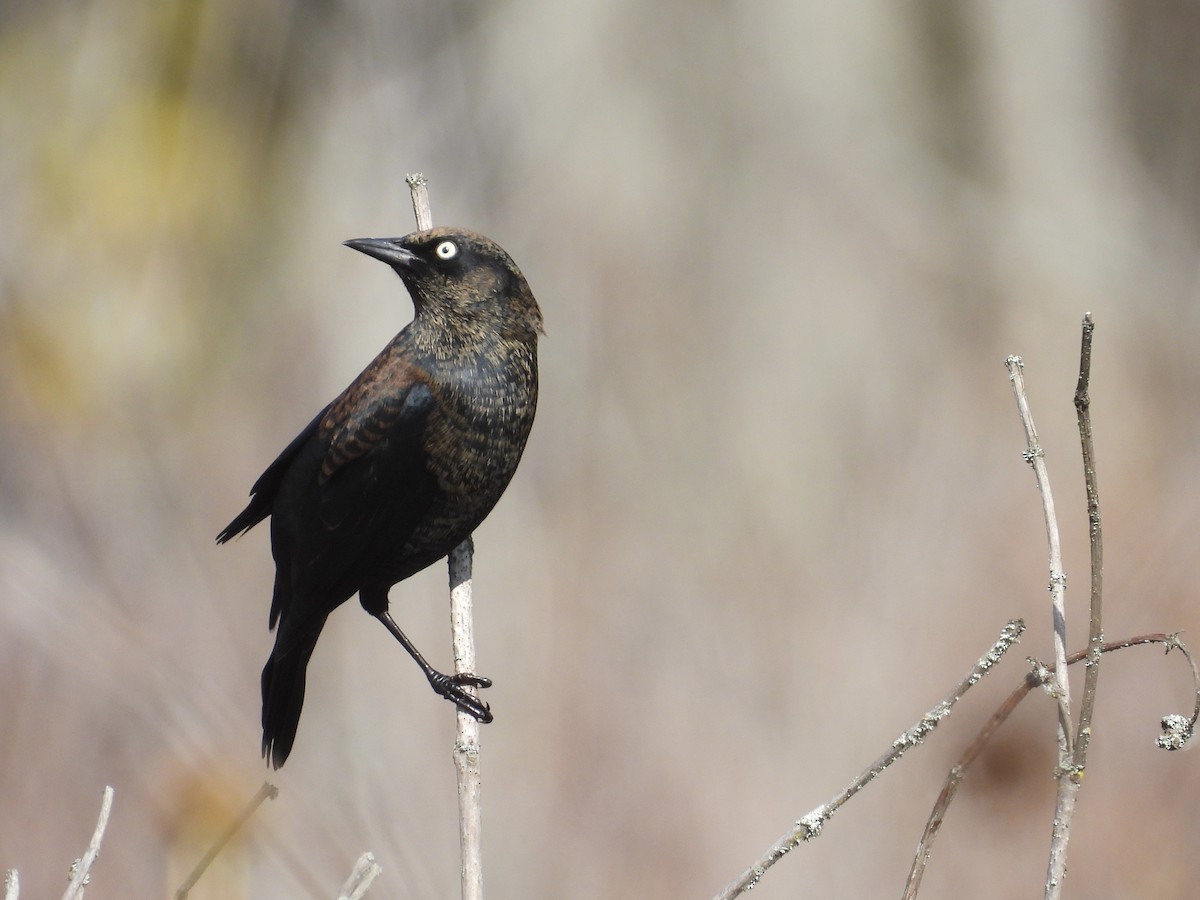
283	692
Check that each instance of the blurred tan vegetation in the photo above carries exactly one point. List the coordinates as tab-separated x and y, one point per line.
774	503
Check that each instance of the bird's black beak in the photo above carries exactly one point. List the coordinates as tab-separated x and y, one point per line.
388	250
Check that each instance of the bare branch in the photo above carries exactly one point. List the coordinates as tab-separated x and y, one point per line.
466	747
81	867
809	826
1068	781
1035	456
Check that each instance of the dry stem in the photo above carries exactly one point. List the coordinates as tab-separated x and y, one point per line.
958	771
1036	457
1091	675
466	747
1068	787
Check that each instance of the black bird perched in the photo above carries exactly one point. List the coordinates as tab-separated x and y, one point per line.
404	464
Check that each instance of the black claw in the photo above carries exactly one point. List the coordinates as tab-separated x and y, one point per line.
451	687
479	681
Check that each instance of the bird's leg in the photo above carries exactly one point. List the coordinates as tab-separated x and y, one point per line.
452	687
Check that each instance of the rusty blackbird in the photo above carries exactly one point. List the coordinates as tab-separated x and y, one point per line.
404	464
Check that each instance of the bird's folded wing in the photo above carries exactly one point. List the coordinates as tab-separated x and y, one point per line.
375	457
263	493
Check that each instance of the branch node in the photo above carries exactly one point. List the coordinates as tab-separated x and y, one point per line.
73	872
1042	675
1073	772
812	823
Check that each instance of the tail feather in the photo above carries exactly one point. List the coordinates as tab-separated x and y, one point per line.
283	695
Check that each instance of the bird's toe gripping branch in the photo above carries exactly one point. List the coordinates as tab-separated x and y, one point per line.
453	688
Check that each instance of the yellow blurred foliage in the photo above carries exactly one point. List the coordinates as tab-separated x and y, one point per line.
131	187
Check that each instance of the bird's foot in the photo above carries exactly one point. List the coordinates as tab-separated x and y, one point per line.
453	688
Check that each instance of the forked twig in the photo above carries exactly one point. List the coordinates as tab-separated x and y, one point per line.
1172	724
1177	729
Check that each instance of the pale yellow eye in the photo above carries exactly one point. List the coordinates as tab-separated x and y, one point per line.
446	250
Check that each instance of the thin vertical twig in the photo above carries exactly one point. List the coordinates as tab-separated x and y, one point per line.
1091	674
1068	782
466	744
1036	457
82	867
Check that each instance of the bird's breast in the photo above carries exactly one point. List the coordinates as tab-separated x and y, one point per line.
478	429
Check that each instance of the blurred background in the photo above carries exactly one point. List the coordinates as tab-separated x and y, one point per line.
774	504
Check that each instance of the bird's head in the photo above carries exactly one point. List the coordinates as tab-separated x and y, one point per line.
451	272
